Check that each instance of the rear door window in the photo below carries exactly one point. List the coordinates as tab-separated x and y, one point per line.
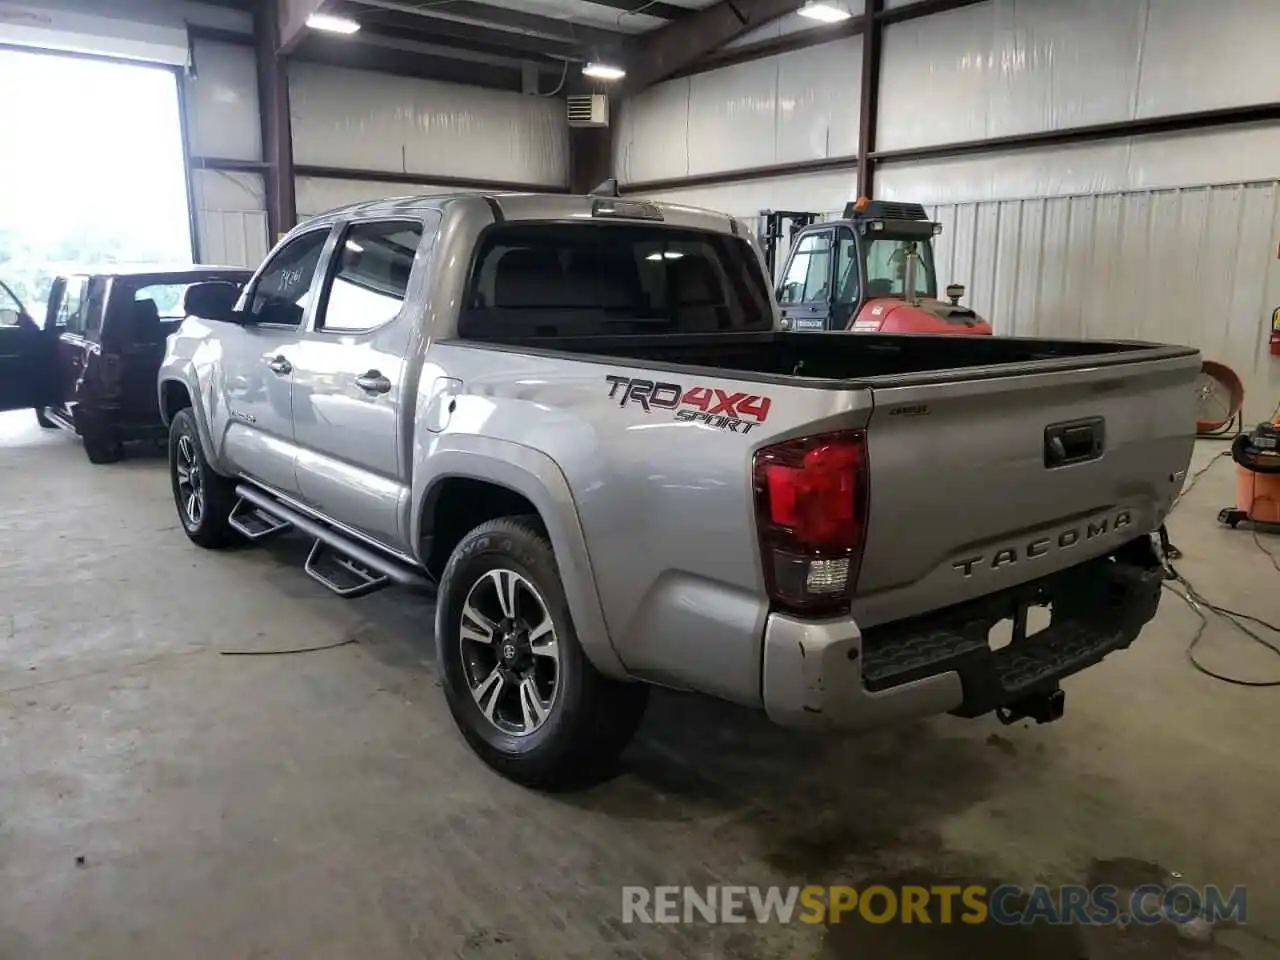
371	276
571	280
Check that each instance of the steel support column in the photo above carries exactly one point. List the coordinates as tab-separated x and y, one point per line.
273	108
872	43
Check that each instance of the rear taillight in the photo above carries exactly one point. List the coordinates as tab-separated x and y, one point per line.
811	509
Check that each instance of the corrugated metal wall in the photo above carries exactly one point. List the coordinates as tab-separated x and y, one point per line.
231	218
1196	266
221	99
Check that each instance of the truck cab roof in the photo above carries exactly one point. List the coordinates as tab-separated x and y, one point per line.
538	206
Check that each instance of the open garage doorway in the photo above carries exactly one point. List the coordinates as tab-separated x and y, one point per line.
92	170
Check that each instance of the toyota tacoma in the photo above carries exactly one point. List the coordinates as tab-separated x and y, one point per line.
577	421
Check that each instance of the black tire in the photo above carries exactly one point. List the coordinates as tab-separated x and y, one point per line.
102	448
591	718
207	527
43	420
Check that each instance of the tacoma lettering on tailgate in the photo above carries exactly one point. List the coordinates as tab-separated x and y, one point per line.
722	409
1064	540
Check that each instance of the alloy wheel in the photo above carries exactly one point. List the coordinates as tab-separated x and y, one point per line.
510	652
190	481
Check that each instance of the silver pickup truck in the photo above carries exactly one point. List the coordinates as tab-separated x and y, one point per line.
576	420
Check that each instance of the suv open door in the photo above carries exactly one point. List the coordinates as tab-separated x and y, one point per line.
26	356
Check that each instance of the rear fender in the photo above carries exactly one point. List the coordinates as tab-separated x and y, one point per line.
537	478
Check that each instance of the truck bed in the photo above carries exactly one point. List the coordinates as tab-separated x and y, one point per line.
841	357
967	498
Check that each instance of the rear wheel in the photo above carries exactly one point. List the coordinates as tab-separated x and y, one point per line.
204	499
525	696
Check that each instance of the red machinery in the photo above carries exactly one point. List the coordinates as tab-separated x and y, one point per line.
872	271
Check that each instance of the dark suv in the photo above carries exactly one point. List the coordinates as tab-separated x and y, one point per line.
91	366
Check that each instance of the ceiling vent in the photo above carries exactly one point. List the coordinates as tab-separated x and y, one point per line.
588	110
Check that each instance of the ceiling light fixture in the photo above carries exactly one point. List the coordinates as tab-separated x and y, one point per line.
824	12
332	24
603	71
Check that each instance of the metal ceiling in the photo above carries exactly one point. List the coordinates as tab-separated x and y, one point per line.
504	33
534	45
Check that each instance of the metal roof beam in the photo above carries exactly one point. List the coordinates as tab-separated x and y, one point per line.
657	55
291	20
498	18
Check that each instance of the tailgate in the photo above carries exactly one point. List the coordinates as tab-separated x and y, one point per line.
983	479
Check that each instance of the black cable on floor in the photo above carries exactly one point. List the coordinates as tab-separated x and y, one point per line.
1270	556
1199	603
279	653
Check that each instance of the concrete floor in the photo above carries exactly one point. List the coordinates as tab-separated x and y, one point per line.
323	805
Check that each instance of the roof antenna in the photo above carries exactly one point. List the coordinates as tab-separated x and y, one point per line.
608	188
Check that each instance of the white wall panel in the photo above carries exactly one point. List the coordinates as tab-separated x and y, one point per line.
231	218
1007	67
1200	56
1019	66
316	195
1195	266
819	101
798	106
221	98
1231	155
653	138
733	114
373	121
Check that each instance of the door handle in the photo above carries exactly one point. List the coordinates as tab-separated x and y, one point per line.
373	382
280	365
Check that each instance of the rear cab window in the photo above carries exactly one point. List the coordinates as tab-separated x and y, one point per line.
540	280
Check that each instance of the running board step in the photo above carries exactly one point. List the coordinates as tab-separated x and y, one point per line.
345	576
343	564
253	522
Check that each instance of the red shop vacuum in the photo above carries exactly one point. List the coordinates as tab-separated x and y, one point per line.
1257	460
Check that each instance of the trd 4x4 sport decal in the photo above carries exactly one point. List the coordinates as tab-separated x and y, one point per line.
723	409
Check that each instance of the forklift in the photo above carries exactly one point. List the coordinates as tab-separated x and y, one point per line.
872	271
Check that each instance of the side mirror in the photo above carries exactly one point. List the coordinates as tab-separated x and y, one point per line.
9	317
954	292
212	300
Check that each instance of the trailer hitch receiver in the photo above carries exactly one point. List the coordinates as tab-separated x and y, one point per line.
1040	707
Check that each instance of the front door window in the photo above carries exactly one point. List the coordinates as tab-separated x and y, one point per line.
282	292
